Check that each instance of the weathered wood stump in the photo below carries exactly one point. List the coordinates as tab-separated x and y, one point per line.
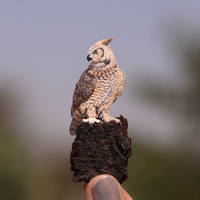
101	148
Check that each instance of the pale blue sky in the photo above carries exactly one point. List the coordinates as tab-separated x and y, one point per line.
44	43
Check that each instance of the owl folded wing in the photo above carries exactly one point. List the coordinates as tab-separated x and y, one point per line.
83	90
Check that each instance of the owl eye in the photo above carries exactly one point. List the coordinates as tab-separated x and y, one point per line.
95	52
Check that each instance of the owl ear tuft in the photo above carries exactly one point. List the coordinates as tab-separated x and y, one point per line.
107	41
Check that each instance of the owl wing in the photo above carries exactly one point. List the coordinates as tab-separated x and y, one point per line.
83	90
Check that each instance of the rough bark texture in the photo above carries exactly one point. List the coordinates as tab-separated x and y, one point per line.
101	148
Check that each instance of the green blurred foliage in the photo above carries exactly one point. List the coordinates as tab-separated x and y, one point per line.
51	179
184	102
23	175
12	170
13	173
156	175
172	173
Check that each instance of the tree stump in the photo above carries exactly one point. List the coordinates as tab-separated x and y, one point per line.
101	148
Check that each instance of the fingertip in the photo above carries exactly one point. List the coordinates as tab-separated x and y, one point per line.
102	187
106	188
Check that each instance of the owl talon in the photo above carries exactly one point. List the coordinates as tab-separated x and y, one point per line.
91	120
109	119
117	120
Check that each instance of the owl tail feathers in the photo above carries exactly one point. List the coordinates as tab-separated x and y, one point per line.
76	120
72	129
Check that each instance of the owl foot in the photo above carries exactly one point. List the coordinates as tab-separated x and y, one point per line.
91	120
109	118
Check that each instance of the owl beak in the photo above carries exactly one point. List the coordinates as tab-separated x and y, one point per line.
89	58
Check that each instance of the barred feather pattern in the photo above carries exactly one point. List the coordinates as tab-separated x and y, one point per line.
97	89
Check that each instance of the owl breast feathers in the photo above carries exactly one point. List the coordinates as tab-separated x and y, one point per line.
98	87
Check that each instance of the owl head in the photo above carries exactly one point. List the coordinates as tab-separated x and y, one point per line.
101	52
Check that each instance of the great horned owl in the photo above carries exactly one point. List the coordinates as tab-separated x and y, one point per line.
98	87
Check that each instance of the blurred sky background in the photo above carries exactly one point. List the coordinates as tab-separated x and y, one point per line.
43	49
44	46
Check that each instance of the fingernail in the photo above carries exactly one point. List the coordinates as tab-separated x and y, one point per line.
106	189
